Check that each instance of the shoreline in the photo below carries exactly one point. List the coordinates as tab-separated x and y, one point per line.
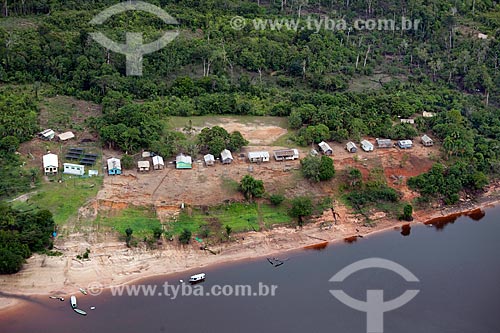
150	264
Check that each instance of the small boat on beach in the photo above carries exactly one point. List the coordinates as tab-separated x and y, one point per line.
81	312
57	297
83	291
73	302
197	278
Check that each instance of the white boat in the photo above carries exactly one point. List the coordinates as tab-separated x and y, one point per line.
197	278
83	313
73	302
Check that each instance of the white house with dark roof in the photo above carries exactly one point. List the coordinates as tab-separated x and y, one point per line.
286	154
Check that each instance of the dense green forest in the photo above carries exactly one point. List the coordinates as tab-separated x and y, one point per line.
309	76
22	233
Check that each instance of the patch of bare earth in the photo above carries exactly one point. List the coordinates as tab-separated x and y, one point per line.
257	133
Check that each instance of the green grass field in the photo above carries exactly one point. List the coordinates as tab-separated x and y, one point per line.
62	199
240	217
140	219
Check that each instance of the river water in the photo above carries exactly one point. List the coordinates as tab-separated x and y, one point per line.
457	264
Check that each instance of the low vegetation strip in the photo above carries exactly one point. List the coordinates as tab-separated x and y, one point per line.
141	220
239	216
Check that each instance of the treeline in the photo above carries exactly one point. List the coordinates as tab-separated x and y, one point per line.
18	123
21	234
470	143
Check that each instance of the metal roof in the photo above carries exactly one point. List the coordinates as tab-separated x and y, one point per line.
226	154
351	145
114	163
366	143
426	138
184	159
209	158
325	146
143	164
50	160
158	160
66	136
258	154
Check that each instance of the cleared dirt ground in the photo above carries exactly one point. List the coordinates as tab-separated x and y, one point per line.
204	186
257	132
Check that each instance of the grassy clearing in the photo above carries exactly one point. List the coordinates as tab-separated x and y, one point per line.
140	219
229	185
239	216
18	23
286	140
63	199
206	121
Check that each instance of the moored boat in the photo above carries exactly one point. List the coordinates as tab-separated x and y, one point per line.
83	291
73	302
197	278
79	311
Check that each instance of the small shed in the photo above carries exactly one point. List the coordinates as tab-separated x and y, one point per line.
286	154
73	169
209	159
158	163
426	114
146	154
258	156
50	164
384	143
313	152
407	121
65	136
114	166
351	147
405	144
325	148
47	134
226	157
183	162
366	145
143	166
93	173
427	141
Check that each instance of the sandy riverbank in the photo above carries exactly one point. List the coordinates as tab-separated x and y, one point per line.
112	263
